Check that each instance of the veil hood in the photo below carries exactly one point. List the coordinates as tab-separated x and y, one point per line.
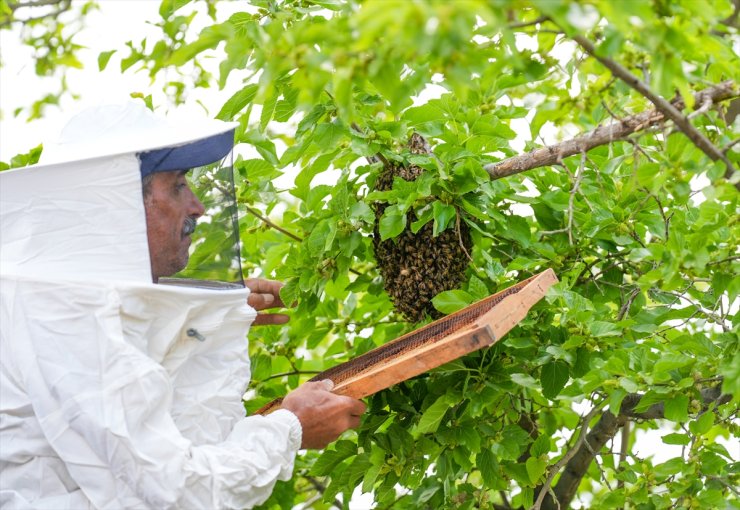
79	215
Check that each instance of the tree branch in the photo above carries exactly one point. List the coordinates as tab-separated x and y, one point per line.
604	430
271	224
602	135
321	488
524	24
554	470
14	6
9	19
662	105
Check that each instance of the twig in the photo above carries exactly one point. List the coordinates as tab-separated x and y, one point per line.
549	232
287	374
602	135
321	488
568	455
665	107
573	191
706	105
610	112
624	449
377	157
555	499
269	223
459	235
628	303
593	453
730	21
504	499
730	145
720	480
63	5
523	24
639	148
666	220
728	259
701	309
14	6
310	502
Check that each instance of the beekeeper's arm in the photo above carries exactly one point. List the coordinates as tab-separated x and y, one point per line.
104	407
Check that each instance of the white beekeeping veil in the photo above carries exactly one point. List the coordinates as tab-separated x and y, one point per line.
116	392
79	214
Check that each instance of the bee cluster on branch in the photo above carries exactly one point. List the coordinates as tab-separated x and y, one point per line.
417	266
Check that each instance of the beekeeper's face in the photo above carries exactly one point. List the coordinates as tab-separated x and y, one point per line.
171	211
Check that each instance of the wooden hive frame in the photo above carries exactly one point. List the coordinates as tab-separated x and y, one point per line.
476	326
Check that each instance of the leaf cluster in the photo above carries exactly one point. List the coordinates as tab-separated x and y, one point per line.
643	234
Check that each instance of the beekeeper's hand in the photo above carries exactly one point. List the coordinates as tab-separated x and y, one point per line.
266	294
323	415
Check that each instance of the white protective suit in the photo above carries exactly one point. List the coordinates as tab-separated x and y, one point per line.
105	400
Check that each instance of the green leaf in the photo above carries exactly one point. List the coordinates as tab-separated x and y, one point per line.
256	169
679	439
29	158
702	424
391	223
671	467
488	466
330	458
525	380
328	134
432	417
237	102
168	7
261	367
477	288
103	59
304	178
451	301
553	377
334	5
677	408
541	446
321	235
443	215
669	362
712	498
601	329
268	109
730	369
535	468
209	38
429	112
310	119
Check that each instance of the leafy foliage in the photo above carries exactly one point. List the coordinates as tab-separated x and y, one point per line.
48	28
21	160
643	234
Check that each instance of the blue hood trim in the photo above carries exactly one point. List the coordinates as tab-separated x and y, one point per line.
191	155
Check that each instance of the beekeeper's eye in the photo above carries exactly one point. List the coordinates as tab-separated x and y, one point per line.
181	183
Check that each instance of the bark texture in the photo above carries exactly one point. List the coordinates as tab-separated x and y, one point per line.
604	134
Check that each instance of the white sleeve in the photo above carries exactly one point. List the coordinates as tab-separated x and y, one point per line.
104	407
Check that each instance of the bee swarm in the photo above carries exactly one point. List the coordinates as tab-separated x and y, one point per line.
417	267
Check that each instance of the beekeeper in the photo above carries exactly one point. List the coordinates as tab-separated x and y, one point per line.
121	387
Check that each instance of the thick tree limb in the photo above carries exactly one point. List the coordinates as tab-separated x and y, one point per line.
661	104
604	430
603	134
